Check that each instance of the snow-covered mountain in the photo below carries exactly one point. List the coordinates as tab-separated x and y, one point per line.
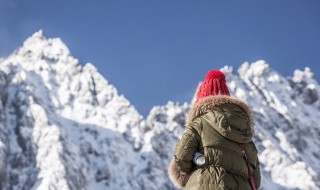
63	126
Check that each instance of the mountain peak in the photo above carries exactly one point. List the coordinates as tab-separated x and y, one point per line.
34	38
255	69
299	75
38	46
38	34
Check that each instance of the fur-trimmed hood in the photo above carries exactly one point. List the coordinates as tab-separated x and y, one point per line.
209	102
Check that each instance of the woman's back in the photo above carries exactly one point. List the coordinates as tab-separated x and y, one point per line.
216	126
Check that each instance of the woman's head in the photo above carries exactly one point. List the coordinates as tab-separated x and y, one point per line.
213	84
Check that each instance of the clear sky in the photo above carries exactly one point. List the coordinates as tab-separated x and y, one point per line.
156	51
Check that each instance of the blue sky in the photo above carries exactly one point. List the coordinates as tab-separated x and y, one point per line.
156	51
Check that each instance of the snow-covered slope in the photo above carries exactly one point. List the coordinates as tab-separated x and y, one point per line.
63	126
66	126
286	114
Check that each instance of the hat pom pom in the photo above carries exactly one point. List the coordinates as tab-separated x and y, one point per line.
215	74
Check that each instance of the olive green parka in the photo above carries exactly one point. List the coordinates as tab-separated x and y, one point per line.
215	126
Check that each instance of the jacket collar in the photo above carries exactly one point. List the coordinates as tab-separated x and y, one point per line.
209	102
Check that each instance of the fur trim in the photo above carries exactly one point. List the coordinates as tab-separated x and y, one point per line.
210	102
178	178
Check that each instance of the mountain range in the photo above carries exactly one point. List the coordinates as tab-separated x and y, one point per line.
63	126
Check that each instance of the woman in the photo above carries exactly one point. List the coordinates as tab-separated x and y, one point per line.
219	127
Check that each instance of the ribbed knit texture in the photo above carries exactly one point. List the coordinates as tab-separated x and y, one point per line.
213	84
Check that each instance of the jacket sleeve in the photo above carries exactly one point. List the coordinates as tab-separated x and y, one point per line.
257	175
182	166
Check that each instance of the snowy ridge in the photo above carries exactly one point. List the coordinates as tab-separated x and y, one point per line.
63	126
286	123
68	128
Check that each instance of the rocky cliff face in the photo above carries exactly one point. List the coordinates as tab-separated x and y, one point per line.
63	126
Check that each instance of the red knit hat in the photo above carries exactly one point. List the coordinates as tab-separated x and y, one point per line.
213	84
